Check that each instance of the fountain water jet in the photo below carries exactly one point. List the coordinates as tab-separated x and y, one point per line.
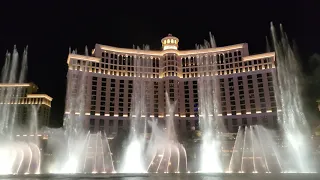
168	155
18	156
133	160
255	151
210	122
76	156
290	113
73	133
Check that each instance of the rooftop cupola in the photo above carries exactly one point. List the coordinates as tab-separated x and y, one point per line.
170	42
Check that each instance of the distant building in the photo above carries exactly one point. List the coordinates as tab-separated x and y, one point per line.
246	90
24	98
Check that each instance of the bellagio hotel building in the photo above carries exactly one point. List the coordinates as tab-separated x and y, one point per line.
246	89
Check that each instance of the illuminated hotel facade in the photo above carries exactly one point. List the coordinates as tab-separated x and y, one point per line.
246	88
26	97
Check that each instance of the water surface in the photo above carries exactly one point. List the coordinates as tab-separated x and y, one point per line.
169	177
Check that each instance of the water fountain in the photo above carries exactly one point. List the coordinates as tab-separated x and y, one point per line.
18	155
133	160
73	133
164	153
167	154
81	151
261	150
210	122
75	150
291	117
255	151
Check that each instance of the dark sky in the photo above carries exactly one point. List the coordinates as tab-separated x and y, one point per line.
50	27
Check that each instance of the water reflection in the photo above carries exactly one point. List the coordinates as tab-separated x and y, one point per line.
192	176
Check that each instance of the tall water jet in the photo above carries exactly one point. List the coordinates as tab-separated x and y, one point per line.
290	111
22	77
133	159
76	149
86	51
76	138
10	75
170	128
18	155
210	122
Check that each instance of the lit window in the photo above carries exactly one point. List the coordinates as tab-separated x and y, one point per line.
170	47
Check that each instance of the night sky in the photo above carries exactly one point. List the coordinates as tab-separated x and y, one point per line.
50	27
